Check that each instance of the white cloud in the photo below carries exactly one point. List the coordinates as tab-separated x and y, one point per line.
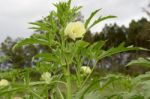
15	14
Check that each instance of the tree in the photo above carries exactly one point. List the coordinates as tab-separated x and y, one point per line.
138	33
22	57
113	34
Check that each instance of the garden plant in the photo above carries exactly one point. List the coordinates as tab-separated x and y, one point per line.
60	73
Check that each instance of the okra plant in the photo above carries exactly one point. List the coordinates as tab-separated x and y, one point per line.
63	75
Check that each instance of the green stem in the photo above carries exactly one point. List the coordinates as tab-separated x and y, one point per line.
61	95
69	94
79	79
39	97
43	82
68	75
68	78
78	73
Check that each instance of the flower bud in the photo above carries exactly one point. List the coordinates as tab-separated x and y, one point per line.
86	70
4	82
47	77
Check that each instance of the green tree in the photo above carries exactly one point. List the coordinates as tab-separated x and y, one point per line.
138	33
23	56
113	34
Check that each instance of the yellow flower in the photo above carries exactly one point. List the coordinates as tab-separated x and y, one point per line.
17	98
75	30
86	70
4	82
47	77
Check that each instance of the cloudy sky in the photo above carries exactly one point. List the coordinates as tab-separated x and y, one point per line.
16	14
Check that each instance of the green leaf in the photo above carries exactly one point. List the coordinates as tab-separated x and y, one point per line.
85	90
69	2
118	49
140	61
39	36
92	95
141	78
81	44
30	41
39	25
90	18
97	45
46	57
100	19
6	91
76	9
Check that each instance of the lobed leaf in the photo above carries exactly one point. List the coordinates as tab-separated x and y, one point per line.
30	41
100	19
90	18
140	61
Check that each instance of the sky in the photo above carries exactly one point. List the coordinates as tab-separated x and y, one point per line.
15	15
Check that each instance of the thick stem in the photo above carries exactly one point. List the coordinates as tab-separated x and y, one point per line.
68	75
68	78
69	94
